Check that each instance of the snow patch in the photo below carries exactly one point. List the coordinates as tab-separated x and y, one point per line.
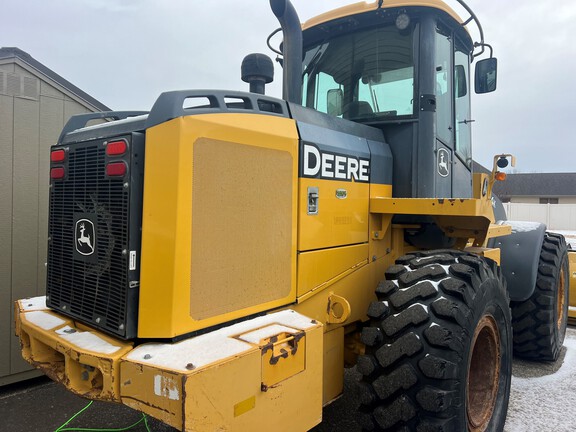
518	227
256	336
33	304
44	320
89	341
435	284
420	304
417	260
410	307
215	346
570	236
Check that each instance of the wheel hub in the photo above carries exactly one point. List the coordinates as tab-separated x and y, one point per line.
483	374
561	303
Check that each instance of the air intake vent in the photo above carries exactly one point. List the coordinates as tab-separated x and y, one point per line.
20	86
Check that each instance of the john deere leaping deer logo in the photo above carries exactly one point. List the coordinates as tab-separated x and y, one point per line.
443	163
85	238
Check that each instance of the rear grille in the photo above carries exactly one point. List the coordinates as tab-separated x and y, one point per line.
93	289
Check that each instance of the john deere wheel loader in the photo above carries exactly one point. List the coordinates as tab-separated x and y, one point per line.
217	261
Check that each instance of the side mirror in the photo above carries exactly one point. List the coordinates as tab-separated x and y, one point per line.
485	76
334	101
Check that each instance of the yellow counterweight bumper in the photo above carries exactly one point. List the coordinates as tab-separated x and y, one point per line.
85	361
259	374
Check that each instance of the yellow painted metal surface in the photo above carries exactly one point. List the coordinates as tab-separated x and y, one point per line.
86	361
340	221
283	355
480	185
219	221
380	191
492	253
498	230
361	7
433	207
354	288
338	310
156	392
380	232
318	269
259	374
459	218
572	294
267	376
333	365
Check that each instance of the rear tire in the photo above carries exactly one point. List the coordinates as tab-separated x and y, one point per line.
540	322
439	332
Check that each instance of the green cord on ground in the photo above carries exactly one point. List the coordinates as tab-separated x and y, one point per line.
74	416
64	428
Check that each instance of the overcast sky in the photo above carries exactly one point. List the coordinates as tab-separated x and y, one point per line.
126	52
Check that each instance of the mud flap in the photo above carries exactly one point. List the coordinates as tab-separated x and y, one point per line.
519	255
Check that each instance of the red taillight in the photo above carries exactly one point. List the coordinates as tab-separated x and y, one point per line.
116	169
116	148
57	173
58	156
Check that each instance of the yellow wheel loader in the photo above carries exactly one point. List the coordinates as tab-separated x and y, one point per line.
217	262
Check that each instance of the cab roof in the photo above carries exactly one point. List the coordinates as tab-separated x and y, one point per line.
361	7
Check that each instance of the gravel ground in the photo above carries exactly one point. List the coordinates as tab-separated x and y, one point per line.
543	396
543	399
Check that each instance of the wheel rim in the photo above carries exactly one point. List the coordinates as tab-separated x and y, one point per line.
483	375
561	303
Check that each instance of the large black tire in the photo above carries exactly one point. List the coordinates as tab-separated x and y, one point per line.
438	347
539	323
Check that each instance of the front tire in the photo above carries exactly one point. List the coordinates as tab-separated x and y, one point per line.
438	347
540	322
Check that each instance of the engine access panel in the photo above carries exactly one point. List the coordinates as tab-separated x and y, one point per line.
338	162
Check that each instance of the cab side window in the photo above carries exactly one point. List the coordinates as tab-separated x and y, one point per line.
443	94
462	105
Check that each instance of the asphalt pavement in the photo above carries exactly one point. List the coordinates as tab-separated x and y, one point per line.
543	398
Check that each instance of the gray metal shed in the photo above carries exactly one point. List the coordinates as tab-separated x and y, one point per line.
35	103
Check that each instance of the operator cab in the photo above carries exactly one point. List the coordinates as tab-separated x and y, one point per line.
406	71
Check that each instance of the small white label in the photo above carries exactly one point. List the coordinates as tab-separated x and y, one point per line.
132	260
166	387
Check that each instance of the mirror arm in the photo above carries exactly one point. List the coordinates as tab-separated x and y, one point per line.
477	21
482	44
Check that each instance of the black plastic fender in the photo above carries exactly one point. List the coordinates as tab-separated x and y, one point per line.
499	211
519	255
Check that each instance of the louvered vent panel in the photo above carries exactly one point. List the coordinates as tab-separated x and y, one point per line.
93	291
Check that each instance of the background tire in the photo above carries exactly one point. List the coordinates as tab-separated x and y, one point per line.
439	332
540	322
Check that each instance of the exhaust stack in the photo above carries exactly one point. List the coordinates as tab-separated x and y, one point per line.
291	49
